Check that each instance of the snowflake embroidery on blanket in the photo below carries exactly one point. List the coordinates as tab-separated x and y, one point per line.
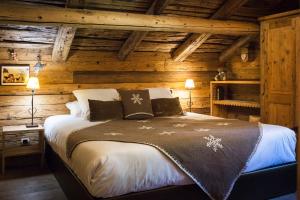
223	124
214	143
136	99
167	133
113	134
202	130
146	127
179	125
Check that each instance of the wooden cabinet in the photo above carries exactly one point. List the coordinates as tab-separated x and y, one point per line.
297	117
279	67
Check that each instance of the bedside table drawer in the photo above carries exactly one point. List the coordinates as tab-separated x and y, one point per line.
14	140
22	150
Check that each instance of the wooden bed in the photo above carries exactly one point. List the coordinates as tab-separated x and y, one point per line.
261	184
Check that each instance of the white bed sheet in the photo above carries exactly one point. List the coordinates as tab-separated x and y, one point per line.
113	168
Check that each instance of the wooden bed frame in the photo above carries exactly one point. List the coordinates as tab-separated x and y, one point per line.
262	184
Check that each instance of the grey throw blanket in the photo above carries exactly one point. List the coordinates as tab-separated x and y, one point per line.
212	152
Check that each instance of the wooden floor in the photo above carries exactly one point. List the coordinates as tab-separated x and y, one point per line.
32	183
29	183
286	197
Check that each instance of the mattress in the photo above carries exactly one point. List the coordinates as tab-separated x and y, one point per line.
110	169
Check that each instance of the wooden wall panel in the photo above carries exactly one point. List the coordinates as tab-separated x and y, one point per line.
90	69
239	70
244	70
138	77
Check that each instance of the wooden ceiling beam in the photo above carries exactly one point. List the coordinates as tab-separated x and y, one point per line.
54	16
228	53
64	37
63	42
136	37
196	39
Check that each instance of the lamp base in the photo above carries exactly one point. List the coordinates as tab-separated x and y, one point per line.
32	125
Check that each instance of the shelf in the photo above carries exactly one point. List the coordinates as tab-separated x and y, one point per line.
239	82
237	103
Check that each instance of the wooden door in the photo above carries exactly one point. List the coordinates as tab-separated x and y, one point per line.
278	60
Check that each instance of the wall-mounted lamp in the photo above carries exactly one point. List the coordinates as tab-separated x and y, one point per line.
189	84
244	54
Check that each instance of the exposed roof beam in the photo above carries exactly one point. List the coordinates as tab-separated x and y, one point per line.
131	44
55	16
196	40
63	42
228	53
65	36
136	37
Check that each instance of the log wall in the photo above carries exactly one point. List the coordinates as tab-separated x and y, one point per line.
90	69
239	70
245	70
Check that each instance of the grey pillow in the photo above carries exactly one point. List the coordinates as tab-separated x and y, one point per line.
166	107
136	104
104	110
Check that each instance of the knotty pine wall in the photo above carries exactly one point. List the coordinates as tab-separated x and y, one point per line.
250	70
90	69
238	70
245	70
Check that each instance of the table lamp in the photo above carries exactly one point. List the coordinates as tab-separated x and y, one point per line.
33	84
189	84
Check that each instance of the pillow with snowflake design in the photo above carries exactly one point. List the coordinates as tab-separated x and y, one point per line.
136	104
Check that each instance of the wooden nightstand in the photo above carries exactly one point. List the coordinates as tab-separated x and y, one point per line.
12	145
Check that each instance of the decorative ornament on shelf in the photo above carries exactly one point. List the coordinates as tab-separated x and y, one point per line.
244	54
38	66
12	54
189	84
33	84
221	76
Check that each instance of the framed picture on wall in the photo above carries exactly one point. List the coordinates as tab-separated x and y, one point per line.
14	74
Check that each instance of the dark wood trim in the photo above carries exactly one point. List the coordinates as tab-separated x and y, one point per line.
261	184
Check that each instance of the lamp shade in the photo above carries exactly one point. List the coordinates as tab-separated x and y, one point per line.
33	83
189	84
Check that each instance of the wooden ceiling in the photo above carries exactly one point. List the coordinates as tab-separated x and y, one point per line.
181	45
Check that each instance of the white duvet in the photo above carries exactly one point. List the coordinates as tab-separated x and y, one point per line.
113	168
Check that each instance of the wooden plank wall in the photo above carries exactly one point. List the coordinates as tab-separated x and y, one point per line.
245	70
239	70
91	69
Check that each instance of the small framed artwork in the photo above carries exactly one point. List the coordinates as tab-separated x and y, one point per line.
14	74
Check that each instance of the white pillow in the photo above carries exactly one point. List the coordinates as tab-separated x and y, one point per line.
74	108
95	94
157	93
